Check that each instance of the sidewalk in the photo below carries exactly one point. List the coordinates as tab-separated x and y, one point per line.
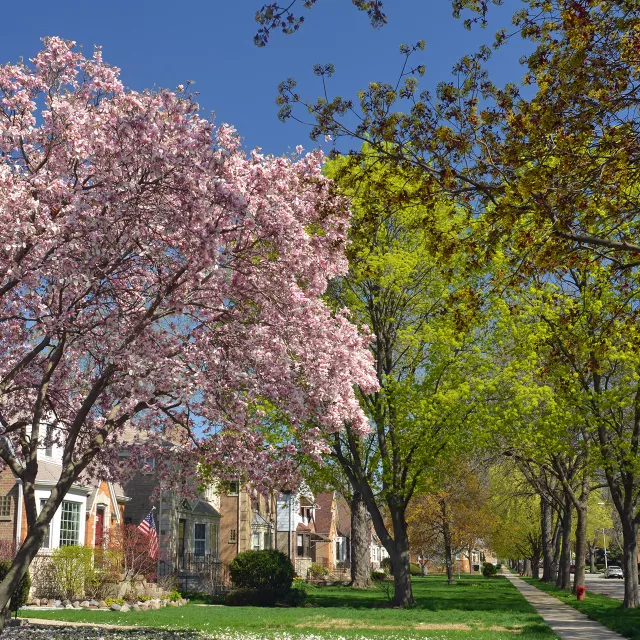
566	621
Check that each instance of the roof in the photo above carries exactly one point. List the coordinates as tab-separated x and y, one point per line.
343	517
324	512
259	521
204	508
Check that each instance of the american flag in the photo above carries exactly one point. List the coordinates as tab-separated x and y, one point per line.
148	528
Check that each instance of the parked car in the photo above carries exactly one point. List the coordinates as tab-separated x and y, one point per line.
613	572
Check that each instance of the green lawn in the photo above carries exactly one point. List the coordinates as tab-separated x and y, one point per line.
475	609
607	611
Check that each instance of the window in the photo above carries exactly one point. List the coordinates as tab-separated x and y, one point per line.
232	536
5	507
255	541
303	546
199	538
306	513
267	540
46	543
233	488
69	523
342	549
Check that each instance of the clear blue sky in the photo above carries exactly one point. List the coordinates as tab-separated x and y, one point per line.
164	44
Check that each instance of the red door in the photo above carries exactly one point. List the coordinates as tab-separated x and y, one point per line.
99	527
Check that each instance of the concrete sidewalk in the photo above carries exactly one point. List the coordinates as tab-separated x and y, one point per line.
566	621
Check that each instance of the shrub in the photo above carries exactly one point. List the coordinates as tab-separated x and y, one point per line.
489	570
74	569
111	601
175	595
267	569
317	571
499	567
414	569
377	576
386	565
21	594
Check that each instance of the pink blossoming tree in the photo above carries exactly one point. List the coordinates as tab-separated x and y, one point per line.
153	274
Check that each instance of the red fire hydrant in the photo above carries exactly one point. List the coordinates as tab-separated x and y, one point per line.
580	591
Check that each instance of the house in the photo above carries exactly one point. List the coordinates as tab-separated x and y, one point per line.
88	514
295	532
333	533
188	528
378	551
248	520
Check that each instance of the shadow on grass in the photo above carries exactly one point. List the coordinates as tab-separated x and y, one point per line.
431	594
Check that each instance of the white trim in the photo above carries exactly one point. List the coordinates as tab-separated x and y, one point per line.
114	501
19	513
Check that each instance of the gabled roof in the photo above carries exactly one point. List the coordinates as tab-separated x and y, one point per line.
259	521
324	512
204	508
343	517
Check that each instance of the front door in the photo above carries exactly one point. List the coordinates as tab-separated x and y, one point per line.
99	527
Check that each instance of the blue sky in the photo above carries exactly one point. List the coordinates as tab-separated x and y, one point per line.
164	44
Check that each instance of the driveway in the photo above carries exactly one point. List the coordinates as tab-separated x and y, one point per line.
613	587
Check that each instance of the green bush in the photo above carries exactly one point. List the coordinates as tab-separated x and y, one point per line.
317	571
414	569
21	594
75	569
175	595
386	565
489	570
265	597
378	576
267	569
499	567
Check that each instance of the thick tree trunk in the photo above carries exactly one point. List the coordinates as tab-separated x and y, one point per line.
360	543
547	541
581	546
19	567
527	568
535	567
630	560
563	580
400	560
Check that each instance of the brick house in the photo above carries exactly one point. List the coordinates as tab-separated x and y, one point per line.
333	532
89	510
247	520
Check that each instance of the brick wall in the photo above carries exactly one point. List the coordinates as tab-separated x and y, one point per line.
228	525
9	487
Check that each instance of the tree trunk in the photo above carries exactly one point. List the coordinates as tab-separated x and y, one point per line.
470	559
360	543
527	568
557	548
446	534
581	546
563	580
630	560
547	541
19	567
400	560
592	557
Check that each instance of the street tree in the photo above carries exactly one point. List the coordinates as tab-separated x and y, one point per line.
153	274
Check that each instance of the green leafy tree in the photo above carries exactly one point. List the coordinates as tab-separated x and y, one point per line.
424	310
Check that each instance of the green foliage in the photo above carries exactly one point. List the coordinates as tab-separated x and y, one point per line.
111	601
489	570
175	595
415	569
21	594
317	571
377	576
267	569
74	568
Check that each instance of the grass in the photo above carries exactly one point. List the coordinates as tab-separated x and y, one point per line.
608	611
475	608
